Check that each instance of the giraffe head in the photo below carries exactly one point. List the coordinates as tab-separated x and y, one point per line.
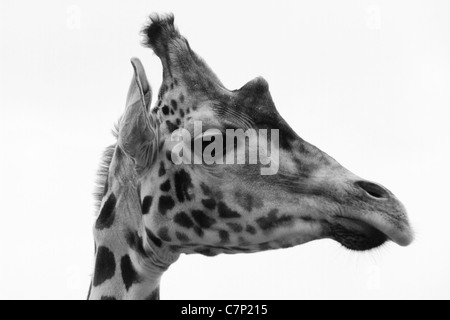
212	208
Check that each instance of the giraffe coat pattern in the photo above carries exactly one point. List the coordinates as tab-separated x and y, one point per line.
151	210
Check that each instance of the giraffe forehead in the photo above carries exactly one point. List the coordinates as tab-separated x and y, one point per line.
251	107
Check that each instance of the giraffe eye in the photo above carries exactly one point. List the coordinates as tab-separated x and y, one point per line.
209	137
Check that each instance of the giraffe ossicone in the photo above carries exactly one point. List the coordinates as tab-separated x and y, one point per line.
153	210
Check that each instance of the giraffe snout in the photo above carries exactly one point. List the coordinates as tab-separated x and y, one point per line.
374	211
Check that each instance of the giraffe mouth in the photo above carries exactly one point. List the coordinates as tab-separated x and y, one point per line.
358	235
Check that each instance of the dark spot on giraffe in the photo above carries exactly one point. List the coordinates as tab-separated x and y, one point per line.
166	203
235	227
162	169
274	220
172	86
159	103
163	234
209	203
182	237
107	298
286	136
169	156
172	127
183	184
195	107
165	186
174	105
154	295
135	242
172	112
307	219
146	204
178	122
105	266
224	236
108	213
286	139
184	220
151	236
202	219
129	274
206	190
206	252
175	80
250	229
199	231
248	201
166	110
264	120
227	213
181	98
188	110
182	113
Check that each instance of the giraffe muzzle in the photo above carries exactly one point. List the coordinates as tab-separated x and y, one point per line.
371	216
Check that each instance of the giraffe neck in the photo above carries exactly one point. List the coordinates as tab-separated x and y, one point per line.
127	266
128	282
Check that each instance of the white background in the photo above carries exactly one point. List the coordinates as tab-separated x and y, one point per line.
366	81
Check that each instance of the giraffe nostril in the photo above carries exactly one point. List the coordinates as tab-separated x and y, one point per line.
373	189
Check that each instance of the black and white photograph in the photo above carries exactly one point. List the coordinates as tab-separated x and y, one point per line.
232	151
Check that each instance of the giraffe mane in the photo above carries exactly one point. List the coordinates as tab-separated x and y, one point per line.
103	170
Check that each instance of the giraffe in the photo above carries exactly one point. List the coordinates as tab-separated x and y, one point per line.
151	210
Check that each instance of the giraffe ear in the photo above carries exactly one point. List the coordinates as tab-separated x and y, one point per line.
137	130
140	89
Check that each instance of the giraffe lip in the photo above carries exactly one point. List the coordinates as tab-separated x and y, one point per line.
356	234
369	233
